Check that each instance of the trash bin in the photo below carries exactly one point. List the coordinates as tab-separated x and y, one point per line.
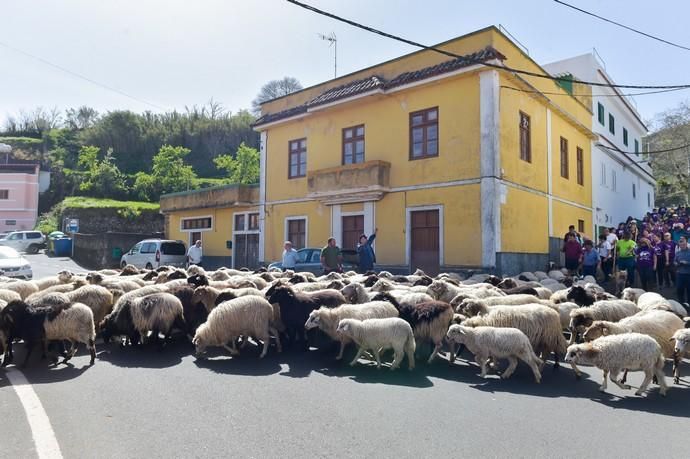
63	247
117	253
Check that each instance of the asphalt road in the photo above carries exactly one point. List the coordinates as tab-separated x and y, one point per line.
43	266
151	403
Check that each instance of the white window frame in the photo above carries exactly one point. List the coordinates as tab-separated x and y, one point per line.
306	227
603	173
235	231
196	230
408	232
613	179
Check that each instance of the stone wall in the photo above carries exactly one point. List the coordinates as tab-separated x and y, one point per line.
95	251
95	221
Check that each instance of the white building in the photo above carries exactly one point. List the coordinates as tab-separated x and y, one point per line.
622	185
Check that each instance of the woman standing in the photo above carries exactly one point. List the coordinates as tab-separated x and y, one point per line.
573	252
682	263
661	254
670	271
646	264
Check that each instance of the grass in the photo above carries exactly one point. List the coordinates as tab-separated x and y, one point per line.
203	182
29	140
80	202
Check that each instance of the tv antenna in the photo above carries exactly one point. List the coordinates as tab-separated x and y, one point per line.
334	43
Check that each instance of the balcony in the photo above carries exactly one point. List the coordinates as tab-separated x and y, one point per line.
222	196
367	181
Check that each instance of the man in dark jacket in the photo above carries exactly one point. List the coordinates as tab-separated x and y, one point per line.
367	257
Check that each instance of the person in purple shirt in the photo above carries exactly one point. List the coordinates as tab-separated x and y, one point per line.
646	263
661	254
572	250
670	271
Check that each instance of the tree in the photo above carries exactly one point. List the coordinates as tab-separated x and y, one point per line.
672	169
243	169
100	178
274	89
80	118
169	174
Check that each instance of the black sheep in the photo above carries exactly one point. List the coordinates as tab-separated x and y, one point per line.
177	274
424	280
295	306
370	281
197	280
522	290
224	296
580	296
194	314
119	322
18	320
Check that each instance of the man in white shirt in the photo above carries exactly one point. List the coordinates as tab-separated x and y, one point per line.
605	256
611	237
194	254
290	256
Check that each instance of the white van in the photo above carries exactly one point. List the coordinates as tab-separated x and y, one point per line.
152	253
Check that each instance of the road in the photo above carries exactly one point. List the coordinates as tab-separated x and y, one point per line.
43	266
155	404
151	403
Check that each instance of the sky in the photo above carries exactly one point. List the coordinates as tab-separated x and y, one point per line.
168	54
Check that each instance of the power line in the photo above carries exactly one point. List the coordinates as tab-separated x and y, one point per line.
590	95
82	77
668	150
478	62
623	25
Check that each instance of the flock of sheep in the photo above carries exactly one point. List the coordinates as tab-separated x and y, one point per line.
522	318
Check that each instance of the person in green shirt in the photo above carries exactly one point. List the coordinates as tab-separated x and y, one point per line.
625	251
331	258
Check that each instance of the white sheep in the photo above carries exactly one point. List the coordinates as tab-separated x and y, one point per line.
497	343
611	310
244	316
649	301
74	324
632	294
356	293
508	300
377	335
327	319
98	298
681	348
9	295
24	288
630	351
63	277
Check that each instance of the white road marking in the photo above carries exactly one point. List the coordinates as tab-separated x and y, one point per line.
44	438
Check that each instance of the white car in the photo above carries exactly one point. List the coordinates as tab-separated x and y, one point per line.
152	253
25	241
12	264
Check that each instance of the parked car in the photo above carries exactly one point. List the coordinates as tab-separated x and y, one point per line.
310	260
12	264
25	241
152	253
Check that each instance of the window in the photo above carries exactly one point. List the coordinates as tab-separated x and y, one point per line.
600	114
297	232
580	226
11	222
613	180
353	145
298	158
603	174
649	200
580	166
424	133
246	222
625	137
525	142
634	192
148	247
197	223
612	124
564	158
637	147
34	235
4	194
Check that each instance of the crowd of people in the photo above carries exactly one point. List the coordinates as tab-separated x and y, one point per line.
654	250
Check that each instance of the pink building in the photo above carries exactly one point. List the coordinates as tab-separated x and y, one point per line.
19	188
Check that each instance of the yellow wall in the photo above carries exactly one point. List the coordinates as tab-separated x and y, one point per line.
387	131
318	225
214	241
565	215
569	188
524	222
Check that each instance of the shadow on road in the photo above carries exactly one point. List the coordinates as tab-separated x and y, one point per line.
145	356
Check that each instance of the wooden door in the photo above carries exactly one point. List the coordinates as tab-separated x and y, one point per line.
246	251
424	241
353	227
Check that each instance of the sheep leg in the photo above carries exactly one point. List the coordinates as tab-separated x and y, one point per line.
659	373
397	359
512	364
232	350
30	346
275	333
378	358
603	386
482	364
534	365
360	351
645	382
342	350
676	370
613	375
625	376
437	348
451	352
92	349
578	373
266	340
573	335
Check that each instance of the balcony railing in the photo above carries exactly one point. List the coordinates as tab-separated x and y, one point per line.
223	196
367	181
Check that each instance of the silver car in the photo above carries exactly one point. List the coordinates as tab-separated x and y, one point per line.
12	264
152	253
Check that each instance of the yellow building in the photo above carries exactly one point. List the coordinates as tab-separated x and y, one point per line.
458	164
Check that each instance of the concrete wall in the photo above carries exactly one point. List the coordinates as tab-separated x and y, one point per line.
96	221
94	251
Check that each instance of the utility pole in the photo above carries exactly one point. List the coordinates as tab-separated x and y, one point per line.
333	42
